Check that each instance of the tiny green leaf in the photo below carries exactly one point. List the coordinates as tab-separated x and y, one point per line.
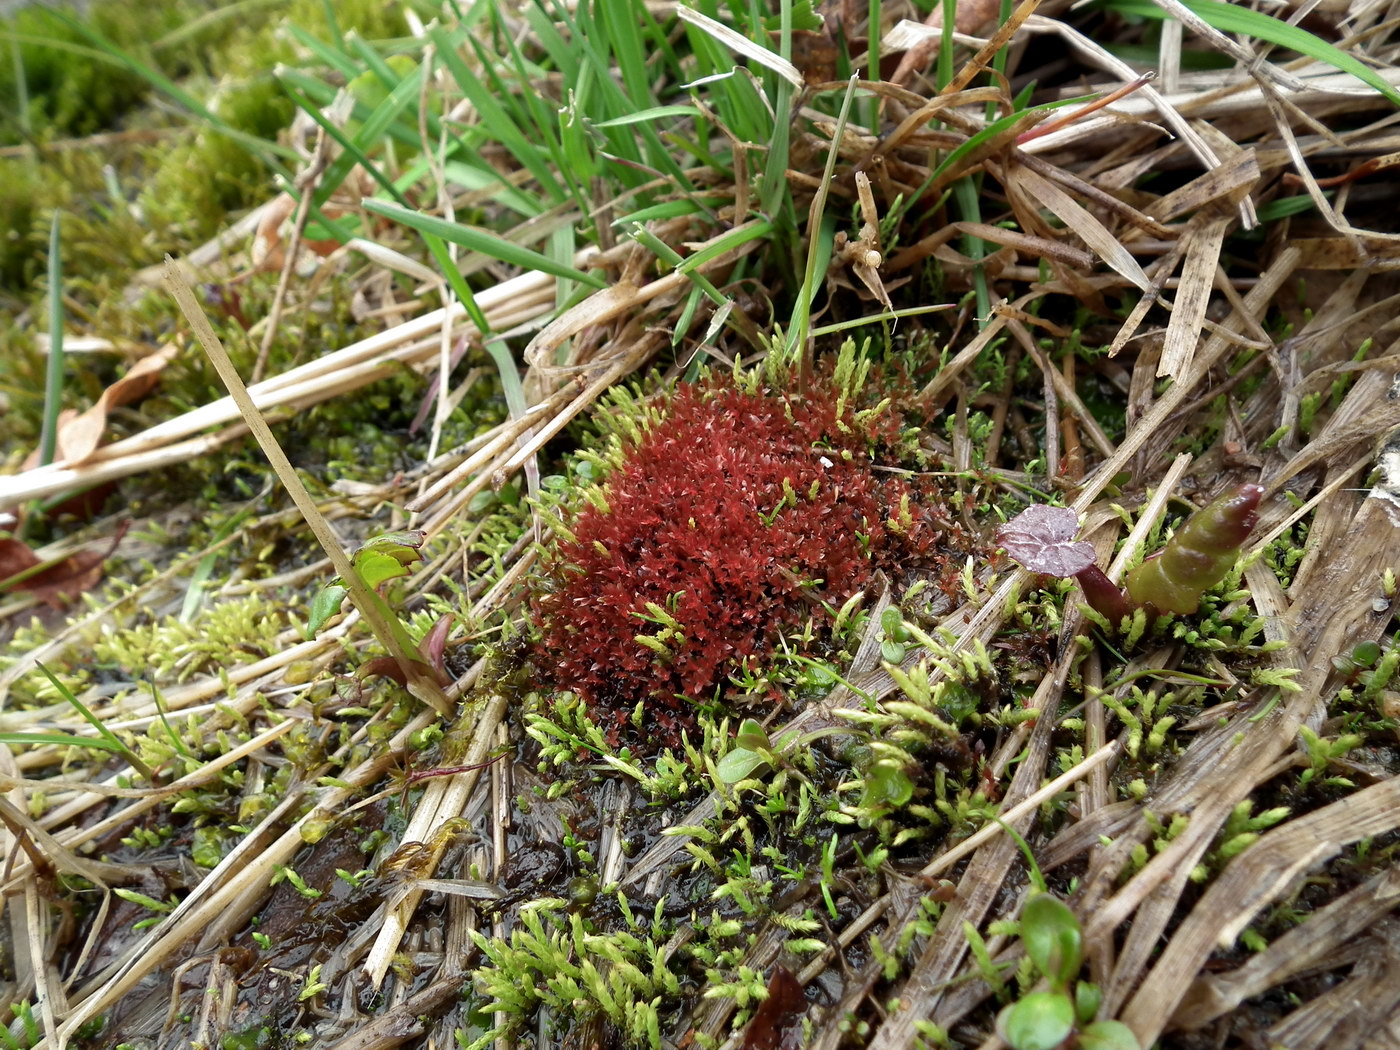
404	547
887	785
375	568
752	736
323	607
1038	1021
738	764
1051	934
1087	999
1108	1035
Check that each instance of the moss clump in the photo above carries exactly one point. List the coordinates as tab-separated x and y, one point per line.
741	514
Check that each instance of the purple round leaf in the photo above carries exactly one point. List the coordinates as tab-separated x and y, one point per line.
1041	539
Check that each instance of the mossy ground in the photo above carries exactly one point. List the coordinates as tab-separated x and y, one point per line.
522	870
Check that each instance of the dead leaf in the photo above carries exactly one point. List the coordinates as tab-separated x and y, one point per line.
268	250
80	433
55	584
785	1003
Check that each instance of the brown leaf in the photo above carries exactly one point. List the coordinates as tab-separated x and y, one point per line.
58	583
433	645
785	1003
80	433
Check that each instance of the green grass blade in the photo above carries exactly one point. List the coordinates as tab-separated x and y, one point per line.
21	87
652	113
332	23
461	289
481	241
880	318
177	745
975	142
773	195
750	231
108	738
60	740
53	377
171	90
493	115
368	135
667	254
669	210
965	192
335	228
208	20
1233	18
821	241
76	50
471	174
945	43
325	53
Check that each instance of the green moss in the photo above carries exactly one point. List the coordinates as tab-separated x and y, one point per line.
223	635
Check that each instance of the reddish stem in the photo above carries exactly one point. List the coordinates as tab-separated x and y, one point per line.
1103	596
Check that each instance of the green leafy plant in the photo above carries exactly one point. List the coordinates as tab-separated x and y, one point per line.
557	958
376	563
1063	1013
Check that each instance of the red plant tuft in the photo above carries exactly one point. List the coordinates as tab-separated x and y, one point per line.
720	516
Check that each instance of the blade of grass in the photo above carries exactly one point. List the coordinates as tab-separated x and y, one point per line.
653	113
945	43
754	229
669	255
779	63
967	193
53	376
367	135
819	247
880	318
109	741
493	116
330	56
171	90
1232	18
463	291
179	746
977	141
481	241
609	42
332	23
61	740
774	194
26	126
209	19
872	62
272	153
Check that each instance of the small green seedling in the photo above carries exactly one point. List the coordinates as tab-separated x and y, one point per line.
378	561
752	751
1046	1018
382	559
1060	1011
